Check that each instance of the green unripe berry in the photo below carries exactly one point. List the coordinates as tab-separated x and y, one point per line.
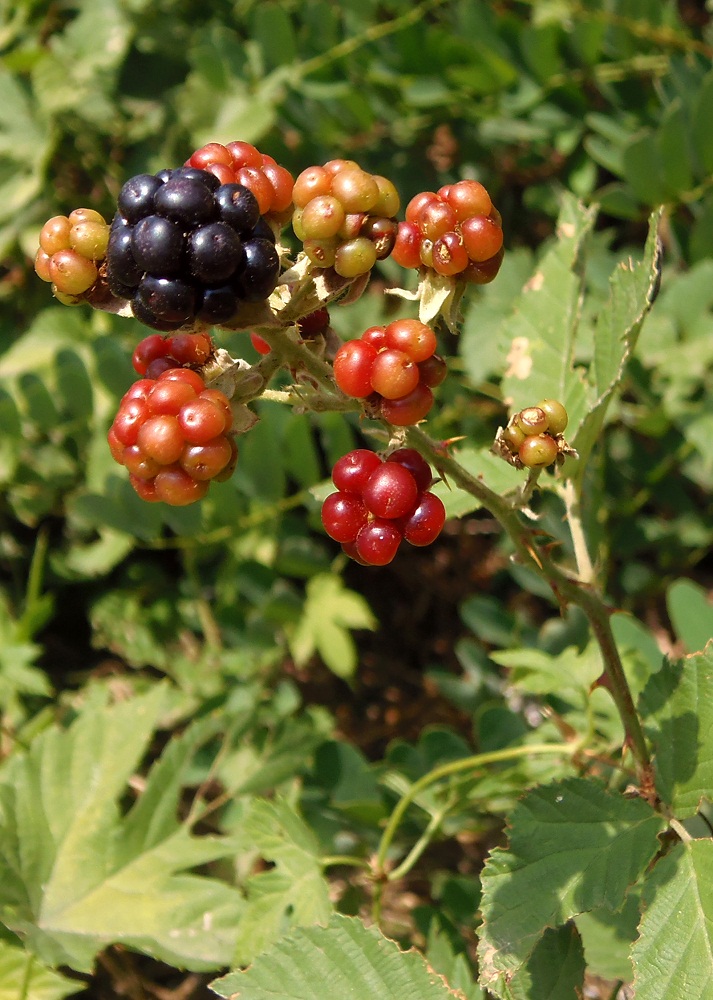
557	418
322	253
514	437
537	451
532	420
66	299
355	257
90	239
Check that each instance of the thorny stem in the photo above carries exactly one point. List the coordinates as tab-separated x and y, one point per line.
568	590
523	495
323	394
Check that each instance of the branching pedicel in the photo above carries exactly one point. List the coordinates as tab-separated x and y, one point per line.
198	246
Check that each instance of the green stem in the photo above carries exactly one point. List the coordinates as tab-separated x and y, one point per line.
455	767
421	844
524	494
372	34
332	860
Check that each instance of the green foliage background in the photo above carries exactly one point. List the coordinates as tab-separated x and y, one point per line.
208	624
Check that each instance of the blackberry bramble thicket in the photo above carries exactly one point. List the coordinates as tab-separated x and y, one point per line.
200	247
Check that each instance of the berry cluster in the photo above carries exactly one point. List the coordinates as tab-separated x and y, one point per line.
171	431
183	247
379	503
70	248
156	354
534	435
395	367
240	163
454	231
345	216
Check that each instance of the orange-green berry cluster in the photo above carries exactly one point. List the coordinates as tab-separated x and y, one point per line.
534	435
345	216
71	248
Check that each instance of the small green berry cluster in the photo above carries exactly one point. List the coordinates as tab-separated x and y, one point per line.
533	438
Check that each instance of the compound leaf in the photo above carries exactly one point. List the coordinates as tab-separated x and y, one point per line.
677	705
78	876
293	891
673	958
574	847
330	610
343	959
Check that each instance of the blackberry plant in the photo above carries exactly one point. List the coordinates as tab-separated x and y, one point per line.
606	796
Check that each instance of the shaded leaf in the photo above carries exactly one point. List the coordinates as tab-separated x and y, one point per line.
691	614
673	958
554	970
573	847
677	707
608	937
539	335
633	290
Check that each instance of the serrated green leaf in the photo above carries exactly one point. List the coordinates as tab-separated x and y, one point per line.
677	707
633	288
673	958
293	892
573	847
539	335
570	674
77	877
262	764
343	959
23	977
691	614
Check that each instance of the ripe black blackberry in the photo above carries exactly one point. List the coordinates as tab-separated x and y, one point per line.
184	247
